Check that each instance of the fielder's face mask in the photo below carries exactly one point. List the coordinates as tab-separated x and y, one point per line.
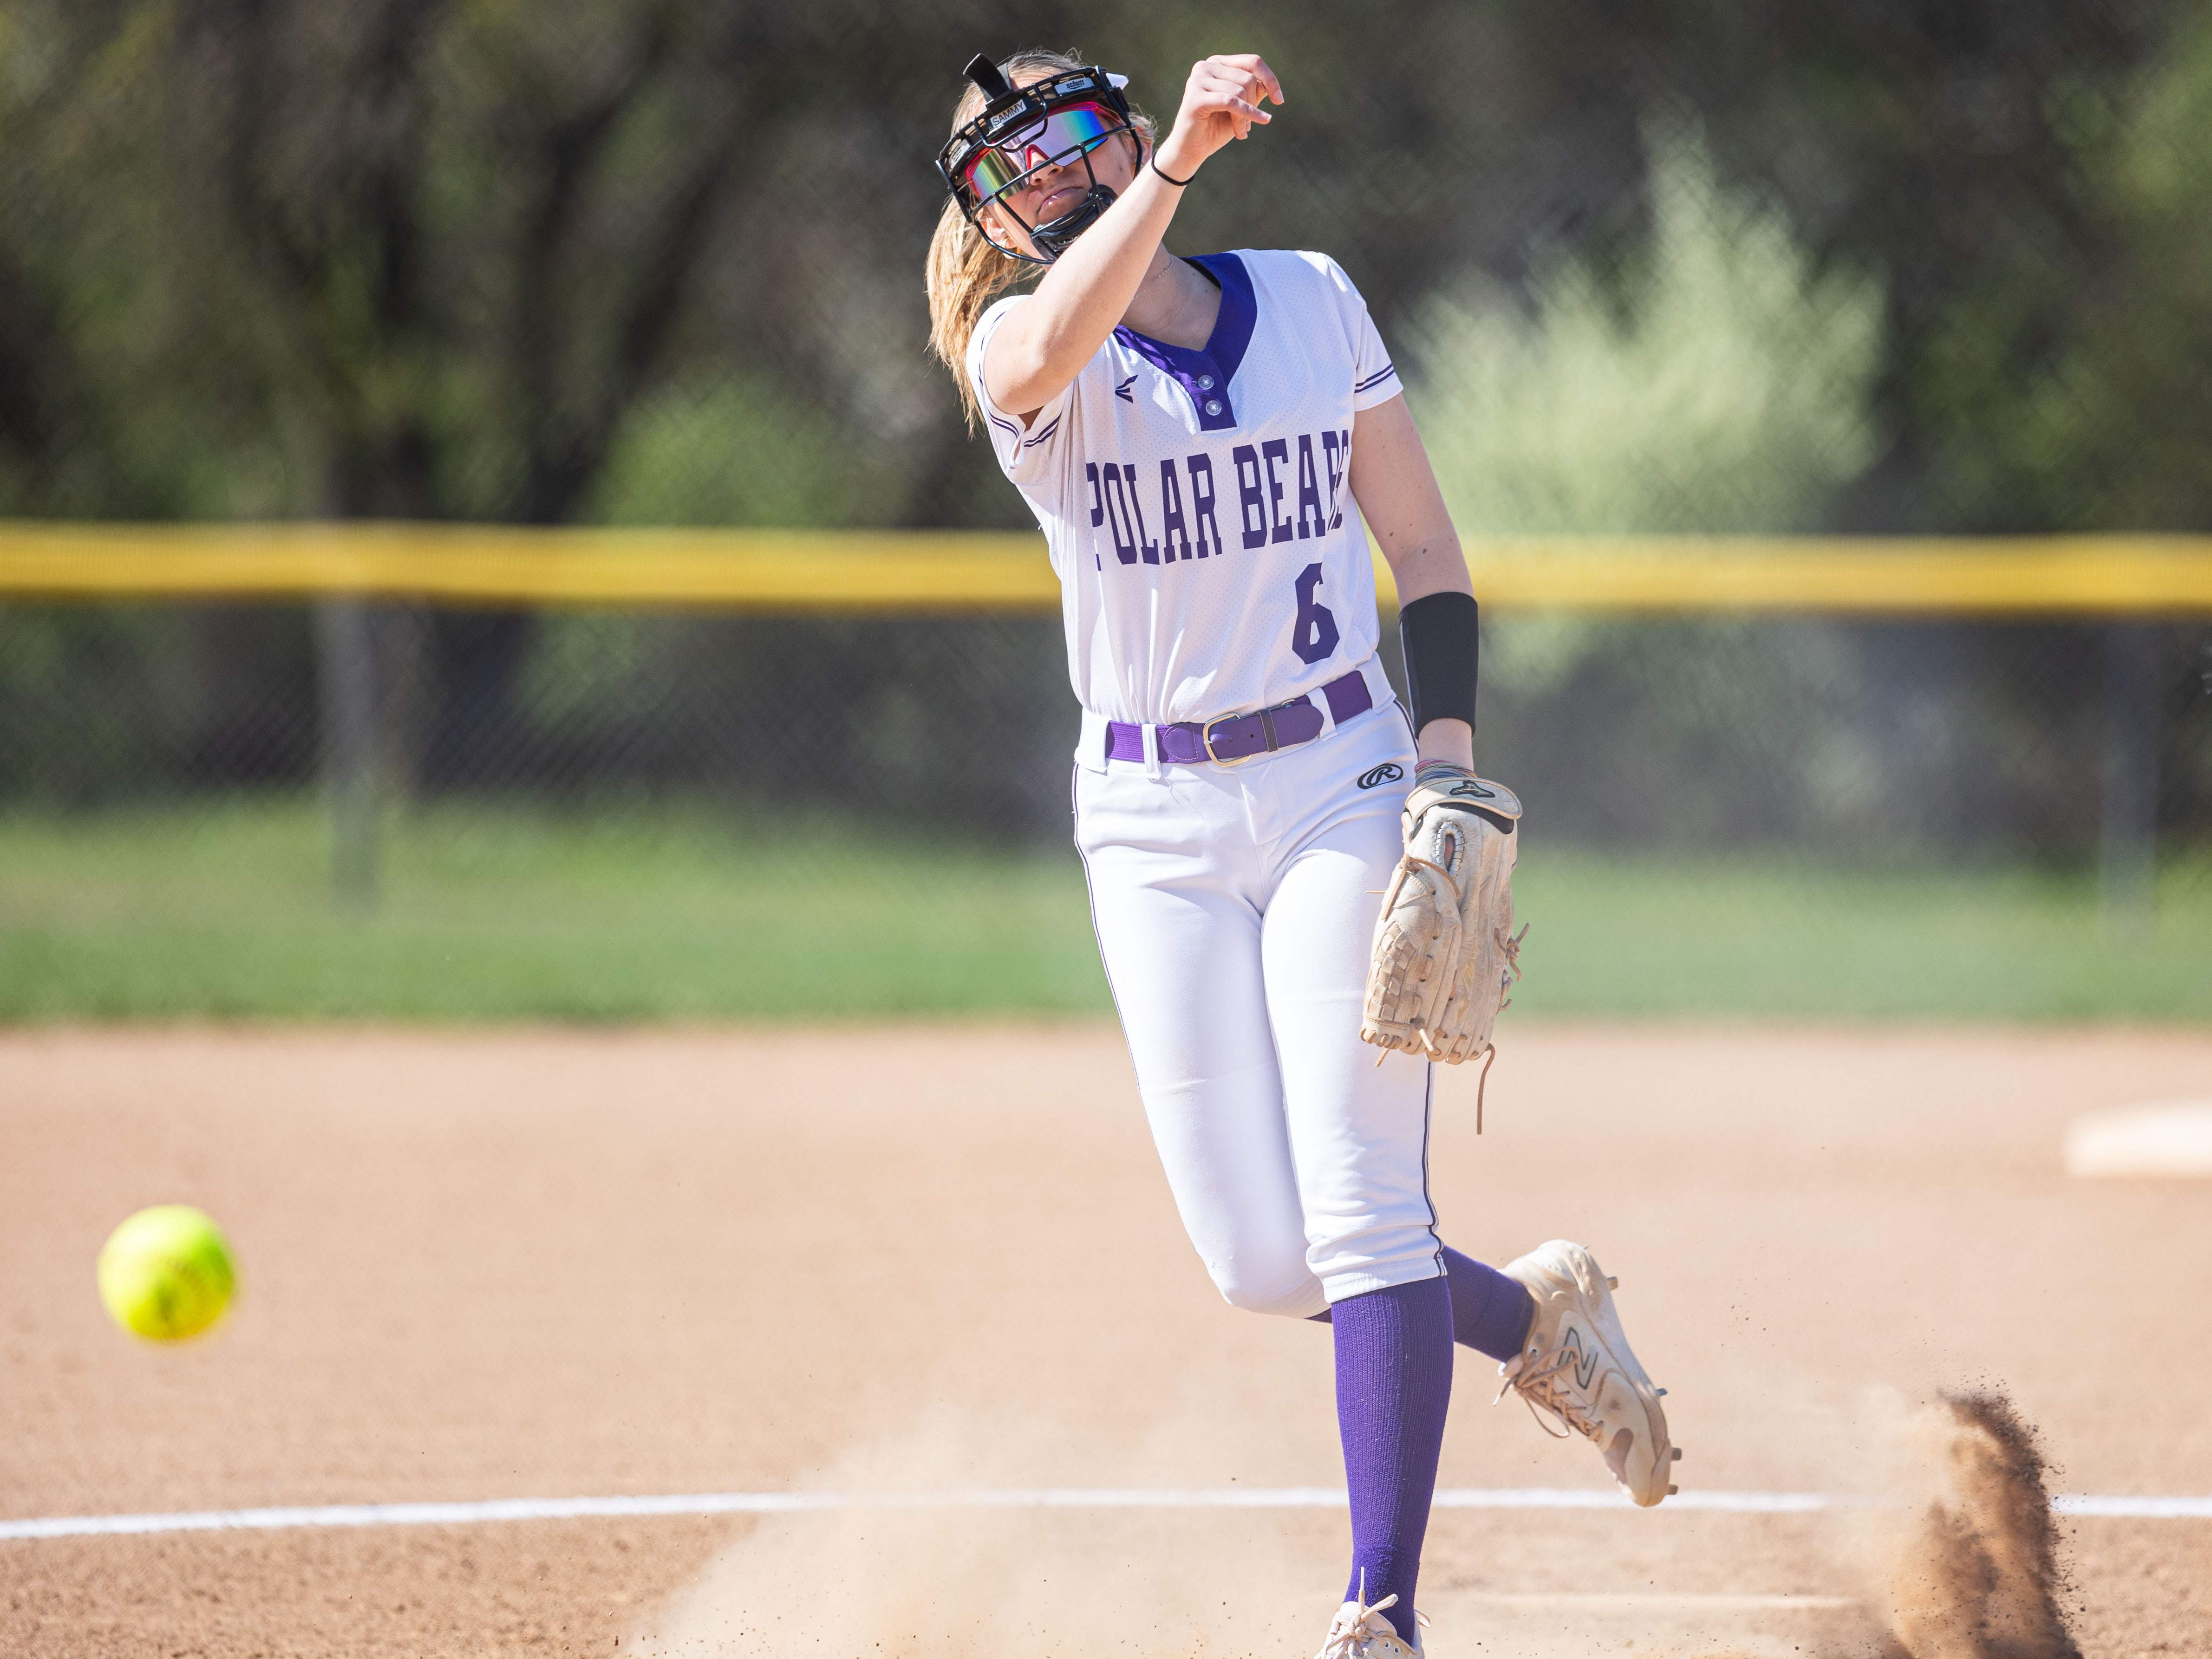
1025	131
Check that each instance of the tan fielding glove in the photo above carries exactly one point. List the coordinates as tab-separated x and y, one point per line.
1445	952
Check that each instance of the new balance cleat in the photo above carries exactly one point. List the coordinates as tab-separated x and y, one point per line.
1359	1631
1577	1365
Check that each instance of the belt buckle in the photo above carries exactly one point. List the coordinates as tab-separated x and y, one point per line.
1266	726
1205	737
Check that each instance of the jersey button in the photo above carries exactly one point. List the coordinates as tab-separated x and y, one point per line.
1206	383
1213	405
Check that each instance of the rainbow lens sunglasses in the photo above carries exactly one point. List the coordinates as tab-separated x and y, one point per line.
1055	140
1021	132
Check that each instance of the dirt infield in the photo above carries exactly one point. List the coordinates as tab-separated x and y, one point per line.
563	1263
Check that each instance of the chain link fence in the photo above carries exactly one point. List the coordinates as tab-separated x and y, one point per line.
1871	268
875	808
1954	740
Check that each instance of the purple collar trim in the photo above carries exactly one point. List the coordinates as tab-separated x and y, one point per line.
1205	375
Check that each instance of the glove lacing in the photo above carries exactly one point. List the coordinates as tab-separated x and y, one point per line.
1510	949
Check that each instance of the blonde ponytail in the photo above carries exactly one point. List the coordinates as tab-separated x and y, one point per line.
965	272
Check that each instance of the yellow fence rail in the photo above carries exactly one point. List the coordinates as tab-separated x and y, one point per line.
774	570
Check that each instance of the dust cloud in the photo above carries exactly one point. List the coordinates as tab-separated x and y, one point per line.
877	1581
1975	1573
1959	1558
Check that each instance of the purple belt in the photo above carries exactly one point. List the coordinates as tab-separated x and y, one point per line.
1240	736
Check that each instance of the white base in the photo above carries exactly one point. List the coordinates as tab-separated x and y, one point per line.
2157	1138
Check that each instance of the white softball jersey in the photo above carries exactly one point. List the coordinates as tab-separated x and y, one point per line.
1195	504
1199	512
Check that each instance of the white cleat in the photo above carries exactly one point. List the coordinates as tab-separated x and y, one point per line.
1360	1632
1577	1364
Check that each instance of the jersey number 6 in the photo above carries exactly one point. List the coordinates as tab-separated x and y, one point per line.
1313	636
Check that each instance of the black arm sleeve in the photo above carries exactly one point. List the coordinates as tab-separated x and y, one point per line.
1443	646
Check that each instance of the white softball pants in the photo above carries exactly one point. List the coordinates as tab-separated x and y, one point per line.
1236	910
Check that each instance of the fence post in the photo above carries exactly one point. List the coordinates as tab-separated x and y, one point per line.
346	676
2128	850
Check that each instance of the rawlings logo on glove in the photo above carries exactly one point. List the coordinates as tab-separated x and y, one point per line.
1445	951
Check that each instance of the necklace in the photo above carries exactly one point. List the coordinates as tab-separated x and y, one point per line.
1174	309
1167	265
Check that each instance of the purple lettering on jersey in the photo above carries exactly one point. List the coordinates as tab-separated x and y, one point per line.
1251	500
1336	455
1146	544
1173	531
1313	520
1276	449
1125	540
1097	511
1201	503
1314	634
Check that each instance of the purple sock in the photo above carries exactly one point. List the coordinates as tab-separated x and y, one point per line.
1490	1312
1393	1372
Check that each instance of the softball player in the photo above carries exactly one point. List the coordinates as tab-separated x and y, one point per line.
1207	443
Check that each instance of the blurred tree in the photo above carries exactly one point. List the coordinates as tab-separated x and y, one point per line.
733	450
1716	381
419	257
2111	423
1711	379
474	228
401	259
1935	144
412	256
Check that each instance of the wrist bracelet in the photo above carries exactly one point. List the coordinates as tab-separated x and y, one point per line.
1177	183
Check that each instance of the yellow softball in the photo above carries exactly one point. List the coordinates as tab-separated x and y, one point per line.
165	1273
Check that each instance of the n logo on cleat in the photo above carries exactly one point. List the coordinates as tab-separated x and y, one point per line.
1585	1360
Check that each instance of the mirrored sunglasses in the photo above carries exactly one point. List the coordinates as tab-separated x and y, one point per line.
1058	138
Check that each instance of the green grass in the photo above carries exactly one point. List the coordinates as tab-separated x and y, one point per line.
498	914
225	911
1775	937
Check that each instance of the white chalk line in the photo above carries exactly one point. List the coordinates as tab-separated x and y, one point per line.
1641	1601
1040	1498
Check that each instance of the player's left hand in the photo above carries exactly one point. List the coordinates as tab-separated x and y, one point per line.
1220	104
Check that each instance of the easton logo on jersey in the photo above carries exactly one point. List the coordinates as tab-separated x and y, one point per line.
1278	499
